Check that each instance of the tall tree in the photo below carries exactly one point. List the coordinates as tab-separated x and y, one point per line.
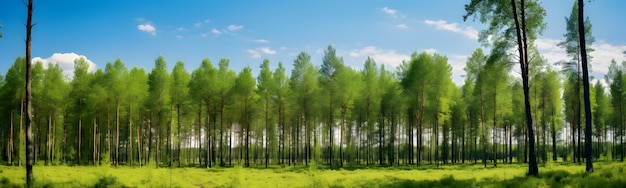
265	85
280	95
303	84
510	21
159	89
179	92
53	96
370	94
416	80
29	113
583	54
202	83
80	86
349	80
137	88
225	82
615	81
244	92
114	73
331	66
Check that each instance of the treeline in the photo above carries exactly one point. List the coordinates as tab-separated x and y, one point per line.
330	114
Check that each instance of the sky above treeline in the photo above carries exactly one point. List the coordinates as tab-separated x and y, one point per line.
246	32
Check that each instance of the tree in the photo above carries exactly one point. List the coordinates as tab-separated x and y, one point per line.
588	118
179	93
280	95
615	81
599	115
439	94
265	85
349	82
369	100
331	66
202	89
225	82
572	45
303	84
244	92
80	86
29	113
159	89
475	72
519	21
116	86
415	80
53	97
137	88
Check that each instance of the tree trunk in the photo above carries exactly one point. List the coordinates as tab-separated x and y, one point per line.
522	47
29	112
583	50
178	131
130	133
117	133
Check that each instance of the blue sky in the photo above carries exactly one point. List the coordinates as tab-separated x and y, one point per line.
246	32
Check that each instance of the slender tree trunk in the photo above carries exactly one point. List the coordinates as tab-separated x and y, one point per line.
522	43
483	140
10	144
583	50
29	112
139	140
495	123
117	134
178	131
80	128
95	127
130	133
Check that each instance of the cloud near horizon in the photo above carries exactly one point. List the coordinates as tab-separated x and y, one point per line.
66	62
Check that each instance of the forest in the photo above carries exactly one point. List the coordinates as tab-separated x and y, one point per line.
324	113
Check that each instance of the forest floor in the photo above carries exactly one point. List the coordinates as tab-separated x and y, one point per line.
607	174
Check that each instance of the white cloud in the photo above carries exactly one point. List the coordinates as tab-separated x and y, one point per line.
261	41
215	31
389	11
65	61
179	36
282	48
147	27
235	27
454	27
267	50
402	26
550	51
254	53
181	29
204	35
385	56
601	56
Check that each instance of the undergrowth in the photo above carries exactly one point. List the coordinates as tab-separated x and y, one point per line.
505	175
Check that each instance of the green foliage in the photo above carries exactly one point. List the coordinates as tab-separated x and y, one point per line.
564	175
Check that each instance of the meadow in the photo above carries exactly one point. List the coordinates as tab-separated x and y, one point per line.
505	175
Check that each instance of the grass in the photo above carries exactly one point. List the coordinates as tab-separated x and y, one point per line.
506	175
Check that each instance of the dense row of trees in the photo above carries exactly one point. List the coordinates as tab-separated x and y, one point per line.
329	113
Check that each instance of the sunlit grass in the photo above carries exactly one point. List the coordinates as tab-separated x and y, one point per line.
505	175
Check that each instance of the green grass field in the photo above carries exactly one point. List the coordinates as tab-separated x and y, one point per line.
554	175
